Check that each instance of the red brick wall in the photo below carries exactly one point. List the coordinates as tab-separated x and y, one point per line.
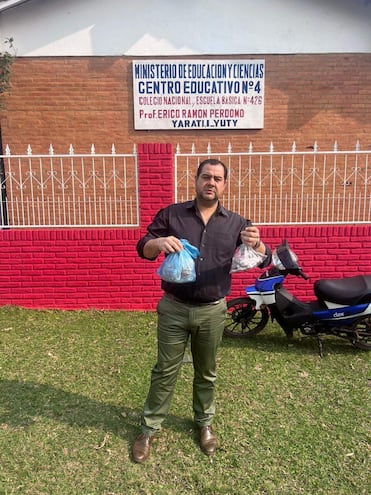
85	100
86	268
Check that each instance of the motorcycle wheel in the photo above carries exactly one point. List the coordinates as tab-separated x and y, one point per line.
362	331
243	319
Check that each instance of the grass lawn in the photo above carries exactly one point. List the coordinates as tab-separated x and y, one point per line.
72	386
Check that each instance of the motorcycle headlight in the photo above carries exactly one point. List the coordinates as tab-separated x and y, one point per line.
285	259
276	261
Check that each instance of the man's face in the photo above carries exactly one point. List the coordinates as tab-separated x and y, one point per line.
210	184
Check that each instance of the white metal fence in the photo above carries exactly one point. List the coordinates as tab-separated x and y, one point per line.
91	190
295	187
64	190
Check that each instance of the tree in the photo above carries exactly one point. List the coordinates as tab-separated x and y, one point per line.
6	60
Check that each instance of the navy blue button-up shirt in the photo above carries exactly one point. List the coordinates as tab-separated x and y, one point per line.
216	241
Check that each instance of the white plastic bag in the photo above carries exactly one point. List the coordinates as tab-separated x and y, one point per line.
245	257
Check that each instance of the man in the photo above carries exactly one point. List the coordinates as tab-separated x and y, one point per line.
197	309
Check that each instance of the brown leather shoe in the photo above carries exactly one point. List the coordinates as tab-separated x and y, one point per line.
142	447
208	441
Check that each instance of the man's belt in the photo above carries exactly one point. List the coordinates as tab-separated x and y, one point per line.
193	302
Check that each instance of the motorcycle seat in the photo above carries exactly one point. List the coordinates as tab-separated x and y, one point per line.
347	291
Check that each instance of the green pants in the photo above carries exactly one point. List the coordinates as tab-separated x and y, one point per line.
176	322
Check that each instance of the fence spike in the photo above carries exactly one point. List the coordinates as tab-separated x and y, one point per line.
229	149
71	150
250	147
7	149
177	149
315	147
271	147
92	149
293	149
113	149
29	150
209	149
357	145
134	149
193	149
335	146
51	149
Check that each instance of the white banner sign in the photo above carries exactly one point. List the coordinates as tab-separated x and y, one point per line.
198	94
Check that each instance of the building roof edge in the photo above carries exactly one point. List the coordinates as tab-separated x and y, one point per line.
9	4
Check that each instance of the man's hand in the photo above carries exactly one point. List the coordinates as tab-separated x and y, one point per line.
251	237
167	245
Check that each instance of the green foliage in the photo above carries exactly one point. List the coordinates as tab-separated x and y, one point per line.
72	386
6	60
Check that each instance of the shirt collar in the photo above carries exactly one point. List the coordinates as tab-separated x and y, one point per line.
219	211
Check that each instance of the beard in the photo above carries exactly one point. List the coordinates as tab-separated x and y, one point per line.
208	195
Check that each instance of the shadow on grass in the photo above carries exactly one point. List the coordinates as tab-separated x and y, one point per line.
23	402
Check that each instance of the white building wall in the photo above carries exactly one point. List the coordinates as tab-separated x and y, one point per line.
187	27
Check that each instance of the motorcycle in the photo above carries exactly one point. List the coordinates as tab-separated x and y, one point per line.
342	306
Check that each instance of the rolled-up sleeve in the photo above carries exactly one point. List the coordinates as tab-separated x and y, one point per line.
158	228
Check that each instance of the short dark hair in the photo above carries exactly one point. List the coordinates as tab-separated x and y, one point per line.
212	161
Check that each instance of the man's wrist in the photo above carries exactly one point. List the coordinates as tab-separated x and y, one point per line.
257	245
